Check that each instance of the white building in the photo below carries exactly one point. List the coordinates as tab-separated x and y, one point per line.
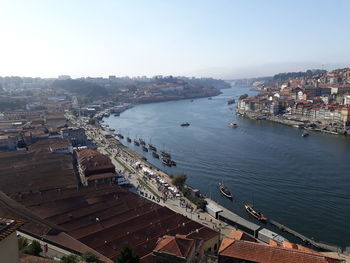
8	240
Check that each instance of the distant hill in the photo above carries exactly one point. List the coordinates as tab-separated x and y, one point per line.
81	87
292	75
207	82
248	82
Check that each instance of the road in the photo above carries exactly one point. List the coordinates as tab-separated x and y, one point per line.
124	161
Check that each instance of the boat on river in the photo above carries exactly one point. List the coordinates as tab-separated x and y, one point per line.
166	161
155	155
250	210
128	139
232	125
152	148
165	154
144	148
184	124
224	190
229	102
305	134
136	143
142	142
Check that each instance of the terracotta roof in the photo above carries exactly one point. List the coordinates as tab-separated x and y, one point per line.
287	244
101	176
8	226
179	246
203	233
58	143
262	253
105	218
71	243
91	159
149	258
239	235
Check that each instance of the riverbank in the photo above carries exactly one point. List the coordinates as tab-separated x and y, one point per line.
132	165
290	120
128	163
273	161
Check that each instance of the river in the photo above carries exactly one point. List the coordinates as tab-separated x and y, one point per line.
301	182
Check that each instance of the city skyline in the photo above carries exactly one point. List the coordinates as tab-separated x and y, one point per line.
225	39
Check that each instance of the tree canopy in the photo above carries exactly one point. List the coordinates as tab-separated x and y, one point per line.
179	180
126	256
34	248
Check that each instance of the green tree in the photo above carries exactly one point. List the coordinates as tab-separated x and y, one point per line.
34	248
244	96
70	259
22	243
126	256
91	121
201	204
179	180
89	257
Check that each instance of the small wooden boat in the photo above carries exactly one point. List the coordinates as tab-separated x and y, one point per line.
224	190
155	155
232	125
255	214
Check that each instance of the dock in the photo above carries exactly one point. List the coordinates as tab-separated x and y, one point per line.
305	239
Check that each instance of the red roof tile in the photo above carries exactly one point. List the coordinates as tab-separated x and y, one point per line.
262	253
178	246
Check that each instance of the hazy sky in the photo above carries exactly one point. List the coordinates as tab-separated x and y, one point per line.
216	38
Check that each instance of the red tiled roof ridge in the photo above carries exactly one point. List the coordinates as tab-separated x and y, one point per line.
289	250
179	246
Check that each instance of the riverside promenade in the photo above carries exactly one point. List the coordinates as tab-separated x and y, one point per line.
124	160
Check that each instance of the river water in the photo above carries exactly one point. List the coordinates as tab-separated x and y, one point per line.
301	182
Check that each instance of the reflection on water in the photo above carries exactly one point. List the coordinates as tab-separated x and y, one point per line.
301	182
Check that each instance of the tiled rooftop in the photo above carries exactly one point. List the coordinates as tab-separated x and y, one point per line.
8	226
108	217
262	253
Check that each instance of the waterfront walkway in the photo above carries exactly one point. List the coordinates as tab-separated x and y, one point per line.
124	159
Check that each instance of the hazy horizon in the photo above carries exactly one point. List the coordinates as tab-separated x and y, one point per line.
220	39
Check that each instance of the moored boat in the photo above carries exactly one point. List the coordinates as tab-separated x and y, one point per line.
152	148
184	124
142	142
224	190
229	102
166	161
120	135
233	125
128	139
165	154
305	134
136	143
155	155
144	148
255	214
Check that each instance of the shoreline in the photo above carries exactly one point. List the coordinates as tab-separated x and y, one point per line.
145	187
290	121
100	115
